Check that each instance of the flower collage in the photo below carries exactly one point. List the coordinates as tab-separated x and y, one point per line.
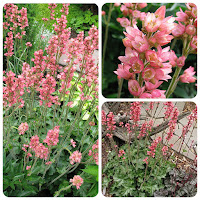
99	99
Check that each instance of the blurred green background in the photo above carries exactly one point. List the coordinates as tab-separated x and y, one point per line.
115	48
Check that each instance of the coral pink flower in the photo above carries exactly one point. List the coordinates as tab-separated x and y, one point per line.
121	153
145	160
123	71
162	38
103	13
158	93
137	66
160	12
151	86
94	152
140	43
28	167
23	127
77	181
181	61
134	88
124	22
187	76
28	44
48	163
148	73
181	16
167	24
75	157
52	136
178	30
164	149
73	143
190	29
193	43
151	22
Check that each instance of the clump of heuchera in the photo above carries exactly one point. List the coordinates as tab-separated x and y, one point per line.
146	64
76	181
23	127
75	157
94	152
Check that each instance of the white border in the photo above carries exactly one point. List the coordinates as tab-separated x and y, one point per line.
99	3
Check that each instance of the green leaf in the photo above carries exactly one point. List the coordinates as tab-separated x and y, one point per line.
92	170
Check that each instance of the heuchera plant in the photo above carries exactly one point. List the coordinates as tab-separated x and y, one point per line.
138	168
148	59
50	111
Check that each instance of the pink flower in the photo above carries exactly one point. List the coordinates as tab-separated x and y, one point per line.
124	22
77	181
73	143
151	86
190	29
123	71
162	38
148	73
134	88
28	167
75	157
164	149
121	153
92	123
181	16
181	61
160	12
145	160
158	93
137	65
103	13
167	24
151	22
23	127
178	30
187	76
193	43
52	136
28	44
94	152
48	163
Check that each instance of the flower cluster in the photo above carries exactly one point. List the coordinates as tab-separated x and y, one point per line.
121	153
191	119
73	143
135	111
75	157
145	128
94	152
76	181
14	18
23	127
110	124
153	146
52	136
172	123
146	64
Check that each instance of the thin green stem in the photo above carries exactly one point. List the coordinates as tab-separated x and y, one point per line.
106	34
